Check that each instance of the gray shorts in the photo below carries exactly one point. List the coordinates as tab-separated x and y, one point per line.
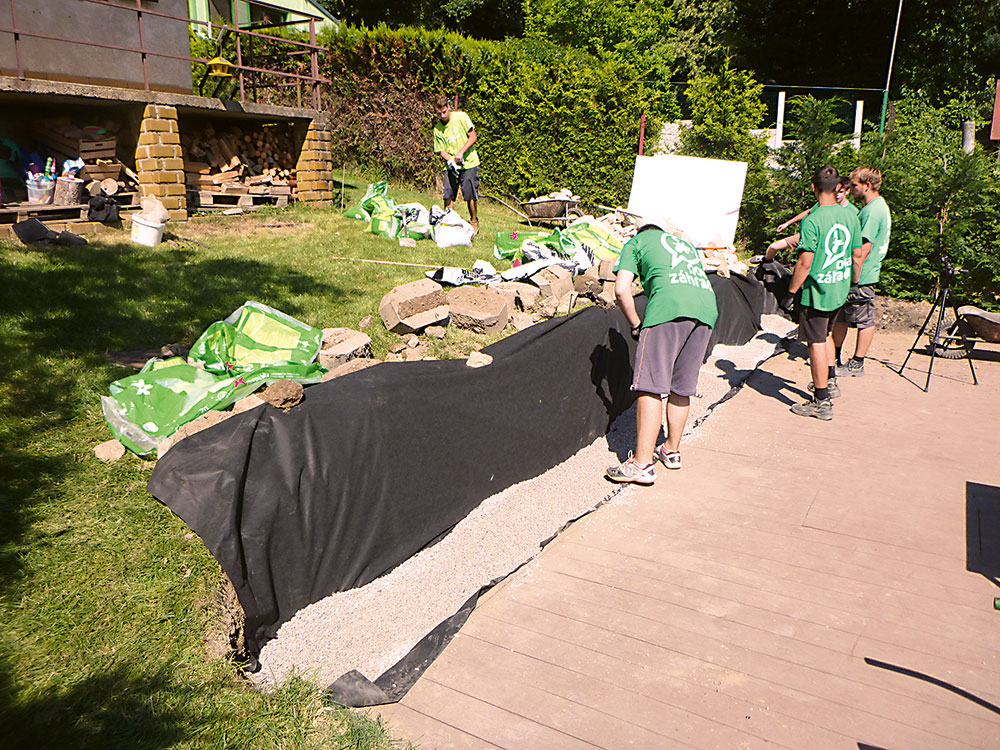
669	357
467	178
859	310
815	325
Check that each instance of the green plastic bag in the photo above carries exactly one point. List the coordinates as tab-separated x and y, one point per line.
357	212
386	225
365	207
603	242
254	346
508	244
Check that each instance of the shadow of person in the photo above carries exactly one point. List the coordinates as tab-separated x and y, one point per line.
764	382
621	435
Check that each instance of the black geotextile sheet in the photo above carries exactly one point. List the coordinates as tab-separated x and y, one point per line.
373	466
741	303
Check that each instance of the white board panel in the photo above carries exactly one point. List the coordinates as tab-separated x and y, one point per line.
699	197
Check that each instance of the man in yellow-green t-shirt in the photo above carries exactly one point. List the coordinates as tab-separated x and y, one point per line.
455	142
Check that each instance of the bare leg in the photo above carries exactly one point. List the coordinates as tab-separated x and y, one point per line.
648	415
865	336
448	204
839	333
818	363
677	414
474	214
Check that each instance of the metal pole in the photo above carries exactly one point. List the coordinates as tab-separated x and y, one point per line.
142	44
892	56
314	59
642	131
17	49
239	50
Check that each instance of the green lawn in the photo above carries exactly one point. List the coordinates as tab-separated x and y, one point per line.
108	604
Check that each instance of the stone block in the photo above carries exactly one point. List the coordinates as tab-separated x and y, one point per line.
341	345
588	282
179	214
523	296
521	320
348	367
409	308
478	359
174	189
606	297
554	281
160	111
605	269
109	450
478	309
155	125
566	302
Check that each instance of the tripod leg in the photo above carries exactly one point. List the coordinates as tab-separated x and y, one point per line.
965	342
937	301
937	332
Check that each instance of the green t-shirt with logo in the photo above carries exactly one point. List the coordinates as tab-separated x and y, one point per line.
876	224
831	233
672	276
451	136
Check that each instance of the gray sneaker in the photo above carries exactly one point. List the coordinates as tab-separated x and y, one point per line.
819	409
670	459
852	369
630	471
831	386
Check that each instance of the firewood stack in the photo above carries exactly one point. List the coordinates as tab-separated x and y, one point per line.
96	145
240	162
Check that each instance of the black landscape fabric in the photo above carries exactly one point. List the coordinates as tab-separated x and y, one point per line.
374	466
741	303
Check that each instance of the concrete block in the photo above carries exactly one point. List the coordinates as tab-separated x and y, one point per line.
155	125
409	308
525	296
554	281
341	345
588	282
478	309
606	297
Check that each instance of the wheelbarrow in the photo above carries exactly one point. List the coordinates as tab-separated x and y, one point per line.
971	327
542	210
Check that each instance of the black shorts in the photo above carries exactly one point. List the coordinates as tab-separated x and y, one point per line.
815	325
859	310
467	178
669	357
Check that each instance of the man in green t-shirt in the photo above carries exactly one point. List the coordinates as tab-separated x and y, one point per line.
455	142
829	236
859	312
673	337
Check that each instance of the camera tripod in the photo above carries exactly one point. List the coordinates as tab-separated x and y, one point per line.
938	340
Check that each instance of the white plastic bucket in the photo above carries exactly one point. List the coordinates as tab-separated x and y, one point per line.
146	233
40	192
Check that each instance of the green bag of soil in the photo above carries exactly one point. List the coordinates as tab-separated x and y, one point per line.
375	196
254	346
508	244
386	225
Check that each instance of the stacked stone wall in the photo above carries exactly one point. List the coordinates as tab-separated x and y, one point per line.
159	160
314	170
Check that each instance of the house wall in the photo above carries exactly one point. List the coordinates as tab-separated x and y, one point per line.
93	23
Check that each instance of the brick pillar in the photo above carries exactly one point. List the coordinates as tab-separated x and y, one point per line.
159	161
314	170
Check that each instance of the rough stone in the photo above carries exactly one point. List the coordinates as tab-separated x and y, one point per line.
283	394
353	365
478	309
605	270
521	320
606	297
566	302
365	322
548	306
588	282
415	354
394	357
409	308
109	450
478	359
554	281
397	347
525	295
437	332
341	345
412	340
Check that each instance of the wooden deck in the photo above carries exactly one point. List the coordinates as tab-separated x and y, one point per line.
797	584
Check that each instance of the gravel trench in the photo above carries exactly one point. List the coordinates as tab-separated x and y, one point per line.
369	629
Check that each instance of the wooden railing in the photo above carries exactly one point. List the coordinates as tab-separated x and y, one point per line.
242	72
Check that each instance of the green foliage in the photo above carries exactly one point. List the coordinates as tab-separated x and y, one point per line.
482	19
943	202
725	108
700	35
546	116
634	33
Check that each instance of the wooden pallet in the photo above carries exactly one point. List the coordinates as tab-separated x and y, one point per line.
205	200
11	213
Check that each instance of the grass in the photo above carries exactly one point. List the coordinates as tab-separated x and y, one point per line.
107	601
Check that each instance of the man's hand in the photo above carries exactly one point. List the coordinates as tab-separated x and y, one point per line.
459	159
854	295
635	332
784	225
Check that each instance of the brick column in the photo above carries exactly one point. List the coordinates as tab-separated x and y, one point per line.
314	170
159	161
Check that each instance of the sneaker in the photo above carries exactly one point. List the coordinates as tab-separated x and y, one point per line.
819	409
853	369
831	386
630	471
670	459
475	227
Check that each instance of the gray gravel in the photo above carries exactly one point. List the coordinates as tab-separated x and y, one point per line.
371	628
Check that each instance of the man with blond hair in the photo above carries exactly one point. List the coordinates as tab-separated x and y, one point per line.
859	310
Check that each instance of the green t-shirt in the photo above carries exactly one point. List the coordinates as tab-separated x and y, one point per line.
831	233
876	223
672	276
451	136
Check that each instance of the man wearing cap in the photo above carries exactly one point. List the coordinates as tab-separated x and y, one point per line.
673	338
